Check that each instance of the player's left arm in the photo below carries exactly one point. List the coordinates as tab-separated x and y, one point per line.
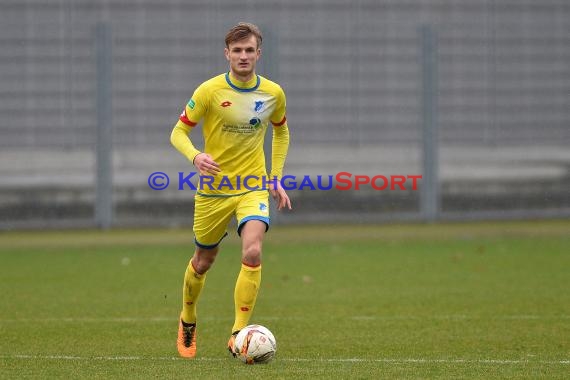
280	146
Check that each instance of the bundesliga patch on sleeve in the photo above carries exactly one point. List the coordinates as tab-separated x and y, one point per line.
191	104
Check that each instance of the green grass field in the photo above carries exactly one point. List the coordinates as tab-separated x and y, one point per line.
472	300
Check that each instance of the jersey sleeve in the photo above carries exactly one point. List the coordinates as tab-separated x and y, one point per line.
196	107
278	117
180	139
279	147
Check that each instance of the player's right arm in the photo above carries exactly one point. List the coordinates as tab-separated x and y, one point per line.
180	139
180	136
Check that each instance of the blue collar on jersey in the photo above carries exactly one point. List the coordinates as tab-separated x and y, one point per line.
242	89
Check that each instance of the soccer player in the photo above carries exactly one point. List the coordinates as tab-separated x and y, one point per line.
237	108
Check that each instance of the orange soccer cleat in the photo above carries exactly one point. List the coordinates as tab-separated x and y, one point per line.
186	341
231	343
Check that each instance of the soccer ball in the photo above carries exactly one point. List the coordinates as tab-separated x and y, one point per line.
255	344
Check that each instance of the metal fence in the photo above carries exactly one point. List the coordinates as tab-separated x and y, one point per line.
475	96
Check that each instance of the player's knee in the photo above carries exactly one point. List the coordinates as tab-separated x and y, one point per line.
202	265
251	254
203	259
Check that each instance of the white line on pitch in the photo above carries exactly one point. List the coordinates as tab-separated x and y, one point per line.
457	317
89	319
451	317
329	360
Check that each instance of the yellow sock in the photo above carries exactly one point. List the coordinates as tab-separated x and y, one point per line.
193	283
245	294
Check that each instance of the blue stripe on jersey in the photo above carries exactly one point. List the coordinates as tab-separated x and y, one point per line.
242	89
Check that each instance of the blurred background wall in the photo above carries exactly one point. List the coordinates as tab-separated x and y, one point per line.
474	95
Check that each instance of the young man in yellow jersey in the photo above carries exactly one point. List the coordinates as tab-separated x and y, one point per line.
236	107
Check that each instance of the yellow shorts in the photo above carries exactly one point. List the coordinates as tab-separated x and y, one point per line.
212	215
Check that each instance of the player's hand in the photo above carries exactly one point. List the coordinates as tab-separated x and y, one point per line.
206	164
279	195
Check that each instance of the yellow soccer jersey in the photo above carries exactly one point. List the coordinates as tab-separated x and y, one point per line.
236	116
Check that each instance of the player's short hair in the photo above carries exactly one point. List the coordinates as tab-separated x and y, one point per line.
242	31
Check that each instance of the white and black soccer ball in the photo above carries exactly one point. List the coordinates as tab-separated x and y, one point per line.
255	344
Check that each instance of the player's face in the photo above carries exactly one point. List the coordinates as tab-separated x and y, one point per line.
243	56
